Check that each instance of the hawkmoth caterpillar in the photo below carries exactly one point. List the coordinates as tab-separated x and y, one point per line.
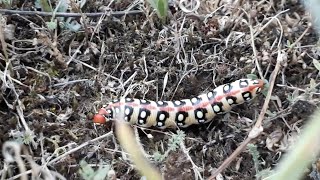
181	113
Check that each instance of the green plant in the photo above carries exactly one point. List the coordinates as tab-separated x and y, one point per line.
173	145
63	5
88	172
7	3
161	7
255	156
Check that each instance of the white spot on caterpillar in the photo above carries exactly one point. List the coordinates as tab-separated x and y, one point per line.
246	96
141	121
126	118
199	114
160	124
143	101
180	124
230	101
128	99
201	121
216	108
160	102
194	100
161	117
243	83
177	102
143	114
127	111
210	94
180	117
226	88
258	90
117	110
109	111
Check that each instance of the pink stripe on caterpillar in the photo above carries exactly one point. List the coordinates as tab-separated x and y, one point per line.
168	109
202	105
149	107
186	108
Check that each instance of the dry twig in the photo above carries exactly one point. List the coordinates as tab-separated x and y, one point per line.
59	14
257	129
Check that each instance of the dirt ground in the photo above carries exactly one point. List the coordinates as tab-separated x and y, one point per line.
53	81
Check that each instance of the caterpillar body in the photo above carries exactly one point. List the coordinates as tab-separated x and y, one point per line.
181	113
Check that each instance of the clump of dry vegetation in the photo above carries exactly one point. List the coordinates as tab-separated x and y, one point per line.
59	65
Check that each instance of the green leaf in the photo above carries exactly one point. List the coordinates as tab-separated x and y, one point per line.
252	76
316	64
313	84
102	172
88	173
158	157
45	6
153	3
72	25
63	6
51	25
82	3
7	3
162	8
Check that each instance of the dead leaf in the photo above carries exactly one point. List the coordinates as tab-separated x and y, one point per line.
273	139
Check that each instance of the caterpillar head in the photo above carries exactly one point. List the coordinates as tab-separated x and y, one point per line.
101	117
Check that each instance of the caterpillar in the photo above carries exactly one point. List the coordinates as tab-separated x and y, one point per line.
181	113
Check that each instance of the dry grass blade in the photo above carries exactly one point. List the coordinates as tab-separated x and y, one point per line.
15	148
12	153
79	147
128	142
305	152
2	39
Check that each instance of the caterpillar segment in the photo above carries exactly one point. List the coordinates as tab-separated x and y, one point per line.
181	113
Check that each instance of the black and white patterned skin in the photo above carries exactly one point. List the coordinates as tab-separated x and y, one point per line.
181	113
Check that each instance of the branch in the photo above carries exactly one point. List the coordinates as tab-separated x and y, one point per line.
60	14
